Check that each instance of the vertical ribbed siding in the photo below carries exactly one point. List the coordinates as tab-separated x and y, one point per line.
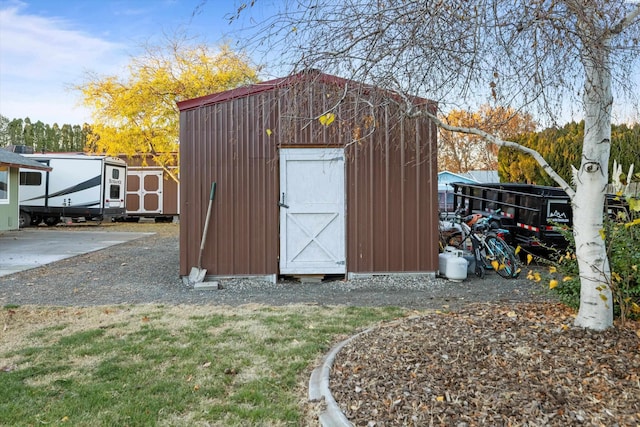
226	143
392	199
391	194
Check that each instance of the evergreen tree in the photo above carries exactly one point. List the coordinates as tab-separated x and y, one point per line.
43	137
4	131
15	130
562	147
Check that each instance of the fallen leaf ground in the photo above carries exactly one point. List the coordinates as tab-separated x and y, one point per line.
524	365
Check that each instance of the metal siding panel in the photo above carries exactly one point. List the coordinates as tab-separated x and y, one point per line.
228	141
391	188
241	233
383	198
201	187
432	212
396	207
396	187
360	213
187	141
392	223
239	205
412	258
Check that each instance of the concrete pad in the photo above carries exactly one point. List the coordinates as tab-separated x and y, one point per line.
205	286
30	248
331	415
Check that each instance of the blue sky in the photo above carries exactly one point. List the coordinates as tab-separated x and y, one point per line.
47	46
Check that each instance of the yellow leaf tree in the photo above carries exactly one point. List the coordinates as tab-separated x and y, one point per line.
137	114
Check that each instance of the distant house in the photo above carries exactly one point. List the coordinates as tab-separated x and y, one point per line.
486	177
446	178
10	165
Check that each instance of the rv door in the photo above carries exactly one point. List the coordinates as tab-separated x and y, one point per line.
114	186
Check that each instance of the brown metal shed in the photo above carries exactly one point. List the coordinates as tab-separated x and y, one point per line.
314	176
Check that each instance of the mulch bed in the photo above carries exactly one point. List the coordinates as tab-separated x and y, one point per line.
491	365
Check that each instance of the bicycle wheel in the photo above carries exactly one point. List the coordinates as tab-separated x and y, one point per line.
479	271
480	257
507	264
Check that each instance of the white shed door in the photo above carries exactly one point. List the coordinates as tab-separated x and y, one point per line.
312	211
144	191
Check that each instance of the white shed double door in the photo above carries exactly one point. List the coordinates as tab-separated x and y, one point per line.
144	191
312	211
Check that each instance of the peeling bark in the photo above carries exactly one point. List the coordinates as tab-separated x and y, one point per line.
596	301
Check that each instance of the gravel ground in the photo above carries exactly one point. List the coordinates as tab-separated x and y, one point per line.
146	271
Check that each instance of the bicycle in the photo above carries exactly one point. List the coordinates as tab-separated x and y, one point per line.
490	250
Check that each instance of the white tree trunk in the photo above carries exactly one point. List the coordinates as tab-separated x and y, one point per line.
596	303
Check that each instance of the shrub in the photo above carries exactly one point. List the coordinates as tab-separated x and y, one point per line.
622	235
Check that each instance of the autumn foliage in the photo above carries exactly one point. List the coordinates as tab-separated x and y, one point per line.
137	114
562	147
459	152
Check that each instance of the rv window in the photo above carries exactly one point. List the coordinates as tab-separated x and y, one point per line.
115	173
30	178
114	192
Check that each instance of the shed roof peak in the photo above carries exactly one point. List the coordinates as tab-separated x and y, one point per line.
311	75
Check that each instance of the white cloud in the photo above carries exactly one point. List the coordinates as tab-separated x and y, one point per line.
41	58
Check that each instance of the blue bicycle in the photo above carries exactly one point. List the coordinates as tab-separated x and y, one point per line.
490	250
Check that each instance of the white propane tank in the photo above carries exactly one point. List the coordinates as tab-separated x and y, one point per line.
442	262
456	267
449	251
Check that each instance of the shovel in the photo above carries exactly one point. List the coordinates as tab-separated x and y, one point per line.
197	273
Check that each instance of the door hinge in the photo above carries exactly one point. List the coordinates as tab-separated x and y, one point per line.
282	203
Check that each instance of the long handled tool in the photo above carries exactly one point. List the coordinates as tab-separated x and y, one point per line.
197	273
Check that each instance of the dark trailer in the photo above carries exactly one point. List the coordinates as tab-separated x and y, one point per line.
533	214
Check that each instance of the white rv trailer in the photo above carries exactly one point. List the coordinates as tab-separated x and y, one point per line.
78	186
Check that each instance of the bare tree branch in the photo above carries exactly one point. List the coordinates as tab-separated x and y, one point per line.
502	143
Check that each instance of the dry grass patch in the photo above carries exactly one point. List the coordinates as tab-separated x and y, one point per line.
166	365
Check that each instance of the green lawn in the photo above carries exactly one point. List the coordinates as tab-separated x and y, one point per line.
166	365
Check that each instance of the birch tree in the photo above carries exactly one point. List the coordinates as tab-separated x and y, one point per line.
553	58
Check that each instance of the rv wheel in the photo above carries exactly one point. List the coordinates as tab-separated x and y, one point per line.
24	220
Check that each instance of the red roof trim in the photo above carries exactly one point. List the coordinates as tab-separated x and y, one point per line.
270	85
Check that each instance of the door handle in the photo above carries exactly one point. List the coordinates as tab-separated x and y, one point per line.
282	204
